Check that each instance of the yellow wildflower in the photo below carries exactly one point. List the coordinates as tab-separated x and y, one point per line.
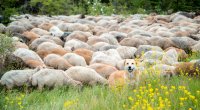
149	108
190	109
130	98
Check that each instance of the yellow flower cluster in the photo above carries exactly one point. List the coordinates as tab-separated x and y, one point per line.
17	101
158	98
69	103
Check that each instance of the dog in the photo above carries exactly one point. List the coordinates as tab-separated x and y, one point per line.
130	75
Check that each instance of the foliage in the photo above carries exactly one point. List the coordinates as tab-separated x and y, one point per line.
94	7
5	44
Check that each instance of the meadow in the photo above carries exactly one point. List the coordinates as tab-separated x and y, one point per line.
177	93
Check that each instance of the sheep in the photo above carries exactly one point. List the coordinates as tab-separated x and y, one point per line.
29	57
184	43
164	70
31	36
57	40
111	38
181	53
52	78
103	69
82	36
133	42
74	59
75	44
153	55
15	29
39	41
85	53
20	45
162	42
47	48
56	62
17	78
107	57
98	45
94	40
107	47
144	48
40	32
126	52
85	75
56	32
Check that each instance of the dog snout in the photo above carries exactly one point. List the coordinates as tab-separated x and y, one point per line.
129	67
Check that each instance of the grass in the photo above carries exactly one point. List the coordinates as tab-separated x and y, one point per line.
159	94
177	93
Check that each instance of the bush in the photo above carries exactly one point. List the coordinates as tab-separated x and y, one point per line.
5	48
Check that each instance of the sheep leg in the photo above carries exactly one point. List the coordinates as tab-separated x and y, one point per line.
40	87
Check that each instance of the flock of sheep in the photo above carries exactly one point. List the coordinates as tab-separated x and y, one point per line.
76	50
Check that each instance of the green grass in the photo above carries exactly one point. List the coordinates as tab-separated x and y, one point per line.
177	93
104	98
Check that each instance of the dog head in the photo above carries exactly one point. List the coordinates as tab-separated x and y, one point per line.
130	65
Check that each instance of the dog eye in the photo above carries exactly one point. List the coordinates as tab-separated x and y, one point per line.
132	63
127	63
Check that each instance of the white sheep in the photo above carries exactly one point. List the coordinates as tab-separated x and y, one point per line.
85	75
17	78
29	57
74	59
52	78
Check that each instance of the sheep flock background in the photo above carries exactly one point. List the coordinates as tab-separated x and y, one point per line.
64	62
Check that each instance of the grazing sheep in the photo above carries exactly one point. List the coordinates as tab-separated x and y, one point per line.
153	55
39	41
164	70
20	45
85	53
181	53
110	57
196	48
98	45
149	62
107	47
31	36
29	57
94	40
103	69
40	32
74	59
57	40
85	75
133	42
52	78
15	29
56	32
56	62
47	48
82	36
75	44
184	43
170	57
17	78
161	42
126	52
111	38
144	48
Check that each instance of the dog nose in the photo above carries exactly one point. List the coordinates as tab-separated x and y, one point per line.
129	67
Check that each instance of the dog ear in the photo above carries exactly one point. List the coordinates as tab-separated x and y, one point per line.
124	61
